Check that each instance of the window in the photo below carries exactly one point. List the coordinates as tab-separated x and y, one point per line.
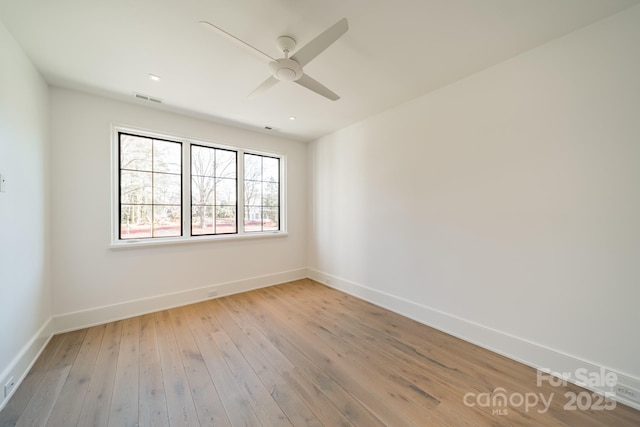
150	187
160	197
261	193
213	191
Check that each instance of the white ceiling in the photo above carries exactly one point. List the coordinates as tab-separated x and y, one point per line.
394	50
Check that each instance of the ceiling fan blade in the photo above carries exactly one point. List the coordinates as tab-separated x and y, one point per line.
317	87
316	46
270	82
237	41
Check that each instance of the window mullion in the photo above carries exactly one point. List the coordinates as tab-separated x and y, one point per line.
153	191
186	190
240	198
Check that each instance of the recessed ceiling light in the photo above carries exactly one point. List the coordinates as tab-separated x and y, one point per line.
154	77
292	117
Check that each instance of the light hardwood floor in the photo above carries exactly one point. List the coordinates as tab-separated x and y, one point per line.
297	354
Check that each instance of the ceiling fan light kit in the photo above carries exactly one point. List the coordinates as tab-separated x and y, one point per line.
290	68
286	69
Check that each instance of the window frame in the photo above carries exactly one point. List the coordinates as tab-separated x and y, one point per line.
153	172
262	181
215	205
186	206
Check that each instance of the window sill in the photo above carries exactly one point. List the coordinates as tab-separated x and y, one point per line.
136	243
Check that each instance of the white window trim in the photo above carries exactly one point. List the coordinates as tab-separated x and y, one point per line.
116	242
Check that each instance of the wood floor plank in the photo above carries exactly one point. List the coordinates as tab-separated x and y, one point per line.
298	354
293	406
434	354
39	408
235	401
205	396
474	365
152	408
68	406
97	402
312	361
310	393
375	368
409	367
417	371
124	405
21	397
443	375
489	370
264	406
180	407
236	404
348	368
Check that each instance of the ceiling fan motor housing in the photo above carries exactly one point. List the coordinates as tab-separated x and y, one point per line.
286	69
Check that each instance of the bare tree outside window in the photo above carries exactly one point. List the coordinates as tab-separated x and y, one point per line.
150	187
213	191
261	193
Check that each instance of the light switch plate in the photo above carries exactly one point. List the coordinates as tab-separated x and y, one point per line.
3	183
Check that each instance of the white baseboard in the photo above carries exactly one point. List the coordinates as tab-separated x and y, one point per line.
24	360
535	355
100	315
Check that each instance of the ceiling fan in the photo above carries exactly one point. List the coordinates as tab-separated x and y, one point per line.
290	68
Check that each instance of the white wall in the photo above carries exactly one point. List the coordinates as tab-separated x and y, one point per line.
504	208
102	283
25	294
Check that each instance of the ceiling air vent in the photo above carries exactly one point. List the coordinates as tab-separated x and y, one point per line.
148	98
